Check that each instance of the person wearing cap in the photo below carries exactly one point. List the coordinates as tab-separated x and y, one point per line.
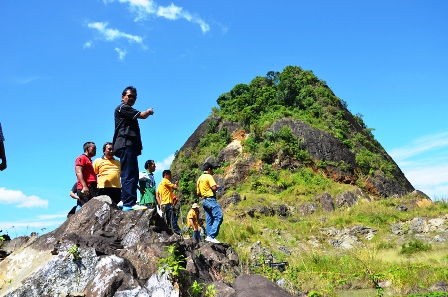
193	222
165	198
206	188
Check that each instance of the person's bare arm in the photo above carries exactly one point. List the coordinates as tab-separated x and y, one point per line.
192	224
79	170
73	195
145	114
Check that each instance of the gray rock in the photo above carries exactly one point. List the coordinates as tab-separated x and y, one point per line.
346	199
283	210
307	208
327	202
397	229
230	152
441	286
417	225
250	285
258	252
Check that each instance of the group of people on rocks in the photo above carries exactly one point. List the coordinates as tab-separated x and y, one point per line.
120	179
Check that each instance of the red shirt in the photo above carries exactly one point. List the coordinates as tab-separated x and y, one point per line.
88	173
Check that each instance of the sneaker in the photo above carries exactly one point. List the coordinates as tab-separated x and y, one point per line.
209	239
135	207
120	204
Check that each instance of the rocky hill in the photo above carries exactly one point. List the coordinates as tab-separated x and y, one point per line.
287	121
313	206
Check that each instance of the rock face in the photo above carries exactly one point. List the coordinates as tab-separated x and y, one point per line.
117	255
321	145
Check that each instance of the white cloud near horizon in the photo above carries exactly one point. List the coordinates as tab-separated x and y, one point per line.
420	145
144	8
17	197
24	228
425	163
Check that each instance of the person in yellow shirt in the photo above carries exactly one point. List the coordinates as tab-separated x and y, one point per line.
107	169
193	222
165	198
206	189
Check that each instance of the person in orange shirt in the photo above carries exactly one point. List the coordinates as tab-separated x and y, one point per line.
193	222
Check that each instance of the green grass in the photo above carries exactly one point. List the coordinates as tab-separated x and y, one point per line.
326	269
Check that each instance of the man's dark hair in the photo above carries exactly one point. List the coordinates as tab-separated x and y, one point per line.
106	144
134	90
166	172
147	163
87	145
206	166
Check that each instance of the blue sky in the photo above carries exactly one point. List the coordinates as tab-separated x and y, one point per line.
64	64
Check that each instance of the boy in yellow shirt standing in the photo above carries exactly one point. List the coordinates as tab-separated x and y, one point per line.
193	222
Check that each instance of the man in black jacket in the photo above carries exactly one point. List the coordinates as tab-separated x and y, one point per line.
128	145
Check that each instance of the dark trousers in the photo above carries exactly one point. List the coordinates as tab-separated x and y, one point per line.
129	175
93	192
171	217
113	193
197	236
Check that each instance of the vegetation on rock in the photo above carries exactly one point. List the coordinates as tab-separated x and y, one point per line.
274	187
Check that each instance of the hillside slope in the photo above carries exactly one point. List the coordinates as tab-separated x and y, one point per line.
287	121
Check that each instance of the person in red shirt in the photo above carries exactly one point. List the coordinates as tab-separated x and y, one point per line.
86	186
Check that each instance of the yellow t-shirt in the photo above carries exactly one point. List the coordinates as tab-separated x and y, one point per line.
192	215
108	173
165	191
204	185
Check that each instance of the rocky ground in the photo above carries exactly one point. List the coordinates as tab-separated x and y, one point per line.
118	255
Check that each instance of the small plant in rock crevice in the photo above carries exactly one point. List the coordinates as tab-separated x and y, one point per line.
74	251
173	263
210	291
196	289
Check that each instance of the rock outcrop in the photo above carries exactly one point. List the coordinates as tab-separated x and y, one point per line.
321	145
102	251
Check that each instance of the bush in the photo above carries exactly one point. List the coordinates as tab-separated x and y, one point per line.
415	247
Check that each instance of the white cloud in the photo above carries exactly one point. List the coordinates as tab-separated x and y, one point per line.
420	145
171	12
144	8
31	224
88	44
112	34
53	216
425	164
23	80
165	164
121	53
17	197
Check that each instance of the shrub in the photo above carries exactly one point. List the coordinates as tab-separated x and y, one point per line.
415	247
